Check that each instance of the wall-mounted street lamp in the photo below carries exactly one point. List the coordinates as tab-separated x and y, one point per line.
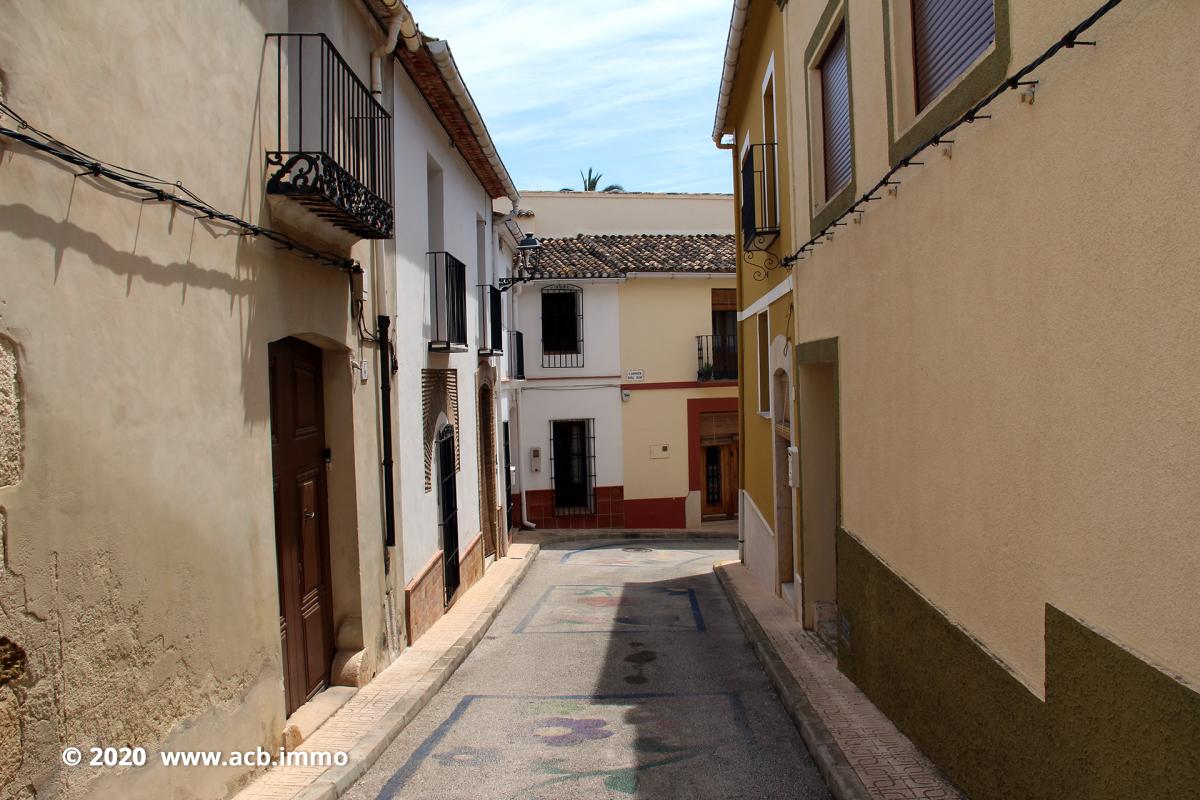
527	264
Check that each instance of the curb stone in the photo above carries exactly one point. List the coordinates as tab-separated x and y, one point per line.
843	781
336	781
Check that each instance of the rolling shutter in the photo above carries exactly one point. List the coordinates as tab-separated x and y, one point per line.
948	35
835	110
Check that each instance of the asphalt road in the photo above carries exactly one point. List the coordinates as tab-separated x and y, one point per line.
616	670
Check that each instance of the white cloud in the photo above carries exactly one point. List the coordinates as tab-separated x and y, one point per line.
625	86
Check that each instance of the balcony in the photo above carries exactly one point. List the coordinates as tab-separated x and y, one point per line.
448	303
516	356
491	318
332	162
760	197
716	358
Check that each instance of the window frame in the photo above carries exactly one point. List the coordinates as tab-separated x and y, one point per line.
762	322
909	127
562	358
825	209
588	457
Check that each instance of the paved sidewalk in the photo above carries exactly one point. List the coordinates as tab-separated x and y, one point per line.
861	753
369	721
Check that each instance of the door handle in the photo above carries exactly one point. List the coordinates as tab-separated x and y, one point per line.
310	514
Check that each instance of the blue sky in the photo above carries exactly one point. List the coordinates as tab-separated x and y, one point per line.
627	87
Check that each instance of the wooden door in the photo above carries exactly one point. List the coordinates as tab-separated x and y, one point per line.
719	498
301	520
712	498
729	470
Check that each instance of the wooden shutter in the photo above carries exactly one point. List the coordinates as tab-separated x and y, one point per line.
948	36
724	299
835	111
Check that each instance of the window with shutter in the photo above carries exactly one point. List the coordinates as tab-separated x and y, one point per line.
835	110
948	37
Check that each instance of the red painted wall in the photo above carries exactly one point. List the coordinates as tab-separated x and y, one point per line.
656	512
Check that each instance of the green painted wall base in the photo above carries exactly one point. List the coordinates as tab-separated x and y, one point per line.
1112	727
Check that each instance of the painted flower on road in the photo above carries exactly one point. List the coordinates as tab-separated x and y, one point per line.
566	731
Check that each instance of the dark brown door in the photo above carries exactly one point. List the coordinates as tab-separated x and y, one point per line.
720	482
729	460
301	522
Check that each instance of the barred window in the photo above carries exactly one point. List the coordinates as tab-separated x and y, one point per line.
562	326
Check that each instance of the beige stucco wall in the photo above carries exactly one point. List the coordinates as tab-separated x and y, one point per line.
1016	333
141	576
660	320
571	213
661	316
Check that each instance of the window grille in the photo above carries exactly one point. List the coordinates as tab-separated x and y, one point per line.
573	466
562	326
448	306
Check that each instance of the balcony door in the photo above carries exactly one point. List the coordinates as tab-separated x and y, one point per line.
301	524
724	328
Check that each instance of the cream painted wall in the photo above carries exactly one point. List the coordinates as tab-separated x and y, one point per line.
657	417
661	316
1016	333
572	213
141	572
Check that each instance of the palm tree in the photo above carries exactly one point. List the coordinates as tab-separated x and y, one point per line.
591	182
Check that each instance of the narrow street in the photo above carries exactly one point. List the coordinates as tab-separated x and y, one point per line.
615	670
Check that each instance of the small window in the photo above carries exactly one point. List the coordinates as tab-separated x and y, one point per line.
562	326
948	37
835	113
573	466
764	366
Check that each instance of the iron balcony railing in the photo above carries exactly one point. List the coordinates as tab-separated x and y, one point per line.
716	358
448	306
516	356
491	319
760	197
333	151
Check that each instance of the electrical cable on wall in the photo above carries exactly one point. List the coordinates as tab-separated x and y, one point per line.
1015	81
152	186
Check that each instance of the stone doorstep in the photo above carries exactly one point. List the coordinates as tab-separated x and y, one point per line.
370	720
306	719
786	652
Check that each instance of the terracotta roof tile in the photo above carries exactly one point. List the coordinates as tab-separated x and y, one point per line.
615	255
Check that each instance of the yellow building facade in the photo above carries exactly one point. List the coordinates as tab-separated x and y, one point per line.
988	345
754	125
